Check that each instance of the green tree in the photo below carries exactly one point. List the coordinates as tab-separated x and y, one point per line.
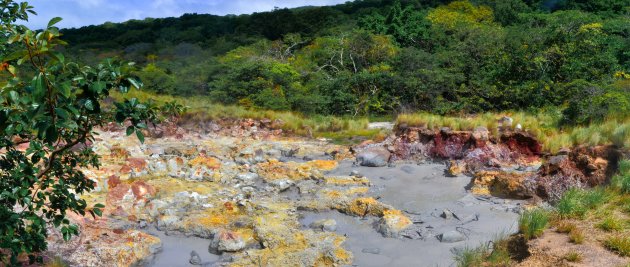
50	107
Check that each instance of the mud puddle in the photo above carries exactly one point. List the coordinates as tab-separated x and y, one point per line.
176	250
436	204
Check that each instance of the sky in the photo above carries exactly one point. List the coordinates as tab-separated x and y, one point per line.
77	13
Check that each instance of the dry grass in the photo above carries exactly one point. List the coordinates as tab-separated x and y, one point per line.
545	126
573	256
202	109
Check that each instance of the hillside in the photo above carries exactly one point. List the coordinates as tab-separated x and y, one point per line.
383	57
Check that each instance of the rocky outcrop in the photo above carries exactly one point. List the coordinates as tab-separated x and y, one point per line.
512	164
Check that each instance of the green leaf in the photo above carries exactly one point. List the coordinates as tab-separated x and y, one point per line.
54	21
99	205
130	130
62	113
51	134
58	56
98	212
39	87
140	136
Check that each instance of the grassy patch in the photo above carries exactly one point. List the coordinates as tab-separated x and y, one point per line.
201	108
573	256
619	244
533	222
576	236
610	224
576	202
484	255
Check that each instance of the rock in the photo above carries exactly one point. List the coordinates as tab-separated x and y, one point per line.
371	251
455	167
142	190
328	225
374	157
195	259
451	237
447	214
247	177
355	173
226	241
282	184
392	223
176	167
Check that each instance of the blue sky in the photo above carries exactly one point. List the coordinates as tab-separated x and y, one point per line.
78	13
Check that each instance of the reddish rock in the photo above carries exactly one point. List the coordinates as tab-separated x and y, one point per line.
113	181
116	194
141	189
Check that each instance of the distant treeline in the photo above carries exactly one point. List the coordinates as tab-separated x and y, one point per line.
382	56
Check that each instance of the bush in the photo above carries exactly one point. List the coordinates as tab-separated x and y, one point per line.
533	222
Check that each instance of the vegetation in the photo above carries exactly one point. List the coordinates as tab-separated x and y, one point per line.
201	109
610	224
573	256
375	57
576	202
619	244
485	255
533	222
50	107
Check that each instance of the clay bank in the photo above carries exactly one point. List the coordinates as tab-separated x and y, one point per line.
244	193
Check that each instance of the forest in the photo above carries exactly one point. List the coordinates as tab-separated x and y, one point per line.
379	57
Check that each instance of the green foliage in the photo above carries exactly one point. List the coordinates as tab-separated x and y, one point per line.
444	57
532	223
50	107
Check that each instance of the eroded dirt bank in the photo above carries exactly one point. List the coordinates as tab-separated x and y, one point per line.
242	194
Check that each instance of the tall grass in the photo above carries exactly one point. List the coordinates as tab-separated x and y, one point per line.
533	223
576	202
545	126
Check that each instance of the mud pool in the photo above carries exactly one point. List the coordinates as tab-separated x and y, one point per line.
422	191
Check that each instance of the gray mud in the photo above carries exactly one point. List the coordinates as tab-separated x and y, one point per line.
176	250
422	192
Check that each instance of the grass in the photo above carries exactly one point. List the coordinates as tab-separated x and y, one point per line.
576	202
545	126
576	236
610	224
201	108
485	255
573	256
533	223
619	244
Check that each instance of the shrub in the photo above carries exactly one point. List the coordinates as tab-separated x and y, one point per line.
533	222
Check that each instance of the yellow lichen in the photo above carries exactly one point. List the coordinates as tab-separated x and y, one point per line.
364	206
